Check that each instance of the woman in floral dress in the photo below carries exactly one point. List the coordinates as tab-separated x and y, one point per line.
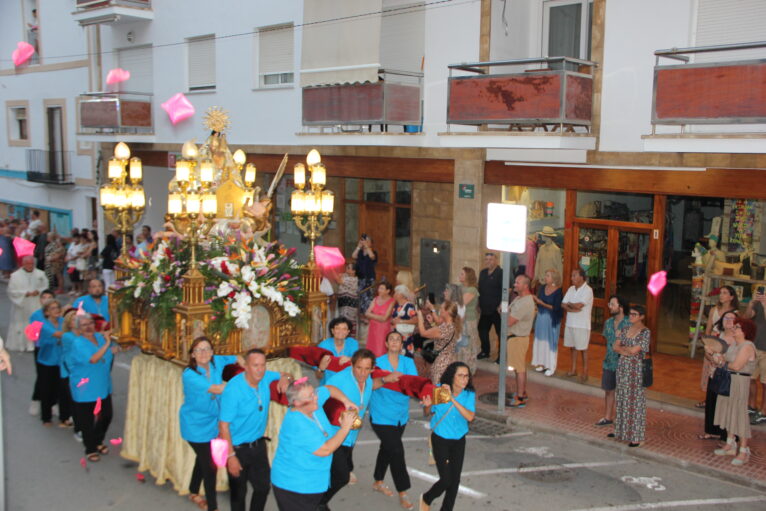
631	344
445	333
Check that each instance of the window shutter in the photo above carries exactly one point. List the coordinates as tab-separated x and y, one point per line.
202	63
139	62
402	37
275	49
737	21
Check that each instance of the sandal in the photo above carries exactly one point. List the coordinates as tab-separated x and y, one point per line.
199	500
102	449
380	486
404	501
701	404
93	457
66	423
705	436
604	422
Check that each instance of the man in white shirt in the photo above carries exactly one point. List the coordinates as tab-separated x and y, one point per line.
24	290
578	303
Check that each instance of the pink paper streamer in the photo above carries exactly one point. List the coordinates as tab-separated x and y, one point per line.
23	247
81	310
178	108
140	477
657	282
116	441
97	408
22	53
32	330
83	381
328	257
219	451
83	463
117	75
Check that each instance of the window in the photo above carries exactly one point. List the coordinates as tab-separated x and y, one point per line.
728	23
201	63
567	28
275	56
17	123
139	62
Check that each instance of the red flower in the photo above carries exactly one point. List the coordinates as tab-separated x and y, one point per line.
224	268
291	251
168	253
167	278
289	297
232	294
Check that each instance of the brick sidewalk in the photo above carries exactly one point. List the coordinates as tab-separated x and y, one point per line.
670	434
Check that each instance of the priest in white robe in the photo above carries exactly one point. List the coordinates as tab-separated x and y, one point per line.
24	290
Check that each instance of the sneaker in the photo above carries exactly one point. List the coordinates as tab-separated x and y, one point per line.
539	369
752	411
78	436
549	372
34	408
758	418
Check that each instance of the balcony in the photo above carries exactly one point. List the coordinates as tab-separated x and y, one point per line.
392	101
49	167
115	113
547	107
93	12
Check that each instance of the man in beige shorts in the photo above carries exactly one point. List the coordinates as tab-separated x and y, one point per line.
520	320
578	303
756	312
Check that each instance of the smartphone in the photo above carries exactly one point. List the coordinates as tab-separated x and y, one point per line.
431	298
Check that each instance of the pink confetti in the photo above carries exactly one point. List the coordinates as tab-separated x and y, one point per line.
219	451
81	311
140	477
657	282
83	381
83	463
1	251
178	108
97	408
22	53
32	330
23	247
117	75
116	441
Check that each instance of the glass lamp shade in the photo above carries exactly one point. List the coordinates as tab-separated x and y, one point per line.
328	200
206	171
174	204
137	198
313	157
209	204
189	150
114	170
121	199
319	175
250	174
239	157
107	196
313	203
183	169
297	205
299	175
136	170
122	151
193	203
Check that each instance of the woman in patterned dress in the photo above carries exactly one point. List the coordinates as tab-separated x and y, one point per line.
348	297
631	344
445	333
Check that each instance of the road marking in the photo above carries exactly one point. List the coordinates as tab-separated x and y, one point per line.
653	483
465	490
425	438
545	468
123	365
541	452
676	503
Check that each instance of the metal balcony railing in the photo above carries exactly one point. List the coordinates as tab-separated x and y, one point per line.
94	4
558	95
51	167
726	92
116	112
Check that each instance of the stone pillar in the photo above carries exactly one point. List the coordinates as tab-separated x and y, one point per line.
468	230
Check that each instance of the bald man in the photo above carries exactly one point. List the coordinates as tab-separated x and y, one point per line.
24	290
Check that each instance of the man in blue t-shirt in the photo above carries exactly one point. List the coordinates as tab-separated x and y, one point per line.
95	302
243	417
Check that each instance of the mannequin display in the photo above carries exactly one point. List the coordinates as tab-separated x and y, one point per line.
713	253
548	255
698	252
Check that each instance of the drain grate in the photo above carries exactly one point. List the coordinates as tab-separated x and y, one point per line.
488	427
490	398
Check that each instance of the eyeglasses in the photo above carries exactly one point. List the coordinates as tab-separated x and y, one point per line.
634	313
738	327
202	350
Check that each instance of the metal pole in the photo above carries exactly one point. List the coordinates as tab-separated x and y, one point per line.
502	358
2	452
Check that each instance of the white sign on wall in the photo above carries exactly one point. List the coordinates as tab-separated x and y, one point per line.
507	227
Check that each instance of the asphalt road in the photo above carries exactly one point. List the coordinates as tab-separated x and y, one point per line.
504	469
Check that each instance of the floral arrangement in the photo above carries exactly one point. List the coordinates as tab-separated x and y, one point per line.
236	272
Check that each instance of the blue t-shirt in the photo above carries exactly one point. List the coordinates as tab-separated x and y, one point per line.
346	383
50	346
246	409
453	426
199	413
66	346
350	346
295	467
37	315
389	407
91	307
99	375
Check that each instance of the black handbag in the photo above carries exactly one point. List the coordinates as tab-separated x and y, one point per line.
430	355
647	370
720	383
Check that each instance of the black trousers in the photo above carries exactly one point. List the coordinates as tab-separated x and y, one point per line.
257	471
342	465
292	501
391	453
36	391
710	400
93	427
204	470
486	322
449	463
53	389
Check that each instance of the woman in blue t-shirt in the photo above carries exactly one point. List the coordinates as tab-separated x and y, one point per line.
449	426
389	413
340	345
52	386
203	385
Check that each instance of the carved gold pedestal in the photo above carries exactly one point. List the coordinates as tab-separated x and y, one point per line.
316	302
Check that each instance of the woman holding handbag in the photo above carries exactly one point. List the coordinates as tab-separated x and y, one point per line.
449	426
444	333
725	328
632	344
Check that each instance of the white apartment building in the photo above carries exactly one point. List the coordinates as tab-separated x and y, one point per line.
424	112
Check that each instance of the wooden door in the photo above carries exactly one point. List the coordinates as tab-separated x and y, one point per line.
377	221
